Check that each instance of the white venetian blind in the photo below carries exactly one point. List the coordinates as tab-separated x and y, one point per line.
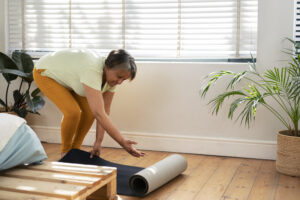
170	29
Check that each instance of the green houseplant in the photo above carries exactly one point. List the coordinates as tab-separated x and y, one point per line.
20	65
278	90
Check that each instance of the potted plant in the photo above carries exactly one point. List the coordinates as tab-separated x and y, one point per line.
278	90
19	65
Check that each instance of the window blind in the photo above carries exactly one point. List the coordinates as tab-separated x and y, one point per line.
297	22
171	29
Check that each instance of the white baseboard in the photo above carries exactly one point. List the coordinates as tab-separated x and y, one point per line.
174	143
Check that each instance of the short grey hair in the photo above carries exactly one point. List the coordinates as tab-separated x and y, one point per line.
120	56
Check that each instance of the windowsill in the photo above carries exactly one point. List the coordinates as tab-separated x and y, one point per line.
197	61
191	64
223	61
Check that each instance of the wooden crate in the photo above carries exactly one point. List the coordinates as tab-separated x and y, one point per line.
58	180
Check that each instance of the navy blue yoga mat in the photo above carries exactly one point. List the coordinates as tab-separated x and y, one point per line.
124	172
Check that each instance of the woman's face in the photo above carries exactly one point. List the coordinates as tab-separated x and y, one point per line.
116	75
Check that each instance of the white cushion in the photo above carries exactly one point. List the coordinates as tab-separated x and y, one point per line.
8	126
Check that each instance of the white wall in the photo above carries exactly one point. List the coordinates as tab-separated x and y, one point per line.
2	43
2	25
162	108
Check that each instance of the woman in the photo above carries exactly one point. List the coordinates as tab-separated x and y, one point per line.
81	84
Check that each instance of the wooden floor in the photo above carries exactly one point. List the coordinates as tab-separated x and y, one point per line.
209	177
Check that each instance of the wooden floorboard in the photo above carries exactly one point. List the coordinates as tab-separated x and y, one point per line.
208	177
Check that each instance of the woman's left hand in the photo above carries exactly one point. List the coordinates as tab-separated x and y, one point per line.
127	145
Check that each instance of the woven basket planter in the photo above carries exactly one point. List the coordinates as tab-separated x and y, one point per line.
288	154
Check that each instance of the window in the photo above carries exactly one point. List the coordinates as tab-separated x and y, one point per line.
297	22
148	29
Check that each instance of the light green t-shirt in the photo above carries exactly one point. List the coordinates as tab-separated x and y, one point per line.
73	67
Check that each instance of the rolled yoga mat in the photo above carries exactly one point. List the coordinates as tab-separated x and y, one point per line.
131	180
151	178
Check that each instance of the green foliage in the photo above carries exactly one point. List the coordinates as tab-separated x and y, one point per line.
20	65
282	85
7	63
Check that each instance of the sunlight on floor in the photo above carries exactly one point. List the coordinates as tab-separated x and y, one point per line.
27	188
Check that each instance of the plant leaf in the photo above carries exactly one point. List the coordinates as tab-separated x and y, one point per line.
38	103
252	65
237	78
27	62
29	101
14	72
18	97
21	112
2	103
234	106
7	63
16	56
212	79
35	92
219	100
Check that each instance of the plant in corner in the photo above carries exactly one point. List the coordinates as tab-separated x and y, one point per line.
19	65
278	90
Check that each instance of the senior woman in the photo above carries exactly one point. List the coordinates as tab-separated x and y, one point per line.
81	83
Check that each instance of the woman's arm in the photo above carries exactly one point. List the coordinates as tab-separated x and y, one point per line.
97	106
107	97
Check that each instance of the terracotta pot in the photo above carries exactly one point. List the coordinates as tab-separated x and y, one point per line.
288	154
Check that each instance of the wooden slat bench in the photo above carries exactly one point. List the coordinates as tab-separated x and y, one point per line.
58	180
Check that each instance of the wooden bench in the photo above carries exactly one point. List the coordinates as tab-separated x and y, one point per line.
58	180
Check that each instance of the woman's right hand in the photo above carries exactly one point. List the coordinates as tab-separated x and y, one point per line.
127	145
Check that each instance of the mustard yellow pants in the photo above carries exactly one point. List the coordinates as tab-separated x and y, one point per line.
77	116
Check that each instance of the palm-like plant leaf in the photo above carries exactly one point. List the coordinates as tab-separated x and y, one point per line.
253	98
282	85
212	79
234	105
252	65
280	81
296	88
296	46
294	71
218	101
247	113
237	77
